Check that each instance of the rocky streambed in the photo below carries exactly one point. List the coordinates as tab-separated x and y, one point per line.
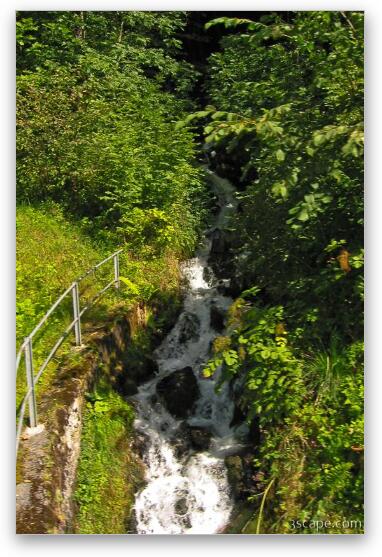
192	439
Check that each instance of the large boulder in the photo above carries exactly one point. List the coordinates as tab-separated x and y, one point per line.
179	391
128	386
200	438
144	369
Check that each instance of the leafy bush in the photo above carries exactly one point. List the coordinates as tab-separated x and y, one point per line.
309	408
286	114
96	126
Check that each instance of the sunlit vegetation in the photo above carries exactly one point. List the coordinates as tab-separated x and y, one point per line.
99	163
112	120
286	107
108	475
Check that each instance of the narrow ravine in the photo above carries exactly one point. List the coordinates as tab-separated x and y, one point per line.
187	490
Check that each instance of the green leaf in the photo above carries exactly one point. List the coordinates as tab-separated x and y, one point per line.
218	115
132	287
230	357
319	139
179	125
303	215
265	354
280	155
208	129
326	198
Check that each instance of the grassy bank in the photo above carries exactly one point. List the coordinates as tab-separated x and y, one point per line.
51	253
108	472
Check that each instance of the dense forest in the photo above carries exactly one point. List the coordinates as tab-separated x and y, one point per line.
119	114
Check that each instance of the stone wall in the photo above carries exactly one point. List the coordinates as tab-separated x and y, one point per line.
47	461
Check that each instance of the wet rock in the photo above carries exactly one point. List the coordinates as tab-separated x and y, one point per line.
129	387
223	285
223	267
139	368
181	509
140	442
219	243
190	328
255	432
181	447
133	372
238	416
240	519
235	288
200	438
236	475
208	275
131	524
144	369
179	392
181	442
217	318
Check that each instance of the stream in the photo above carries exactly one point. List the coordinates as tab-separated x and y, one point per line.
187	491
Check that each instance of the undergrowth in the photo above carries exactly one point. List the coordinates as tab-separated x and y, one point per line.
52	252
307	400
108	472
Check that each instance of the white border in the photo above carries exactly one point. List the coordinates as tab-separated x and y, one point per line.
188	546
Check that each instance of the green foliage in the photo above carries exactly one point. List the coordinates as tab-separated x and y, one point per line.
309	407
286	107
96	126
51	253
97	97
107	471
273	375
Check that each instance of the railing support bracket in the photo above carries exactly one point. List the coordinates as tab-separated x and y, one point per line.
30	382
31	431
76	313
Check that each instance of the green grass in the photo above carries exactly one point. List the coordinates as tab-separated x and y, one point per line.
51	253
108	472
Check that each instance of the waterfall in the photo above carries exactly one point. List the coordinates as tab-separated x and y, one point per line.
187	491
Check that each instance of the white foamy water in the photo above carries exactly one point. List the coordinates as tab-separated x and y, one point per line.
187	491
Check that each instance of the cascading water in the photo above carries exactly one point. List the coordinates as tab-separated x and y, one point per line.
188	493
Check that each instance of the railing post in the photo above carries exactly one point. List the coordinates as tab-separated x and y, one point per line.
116	270
28	351
76	313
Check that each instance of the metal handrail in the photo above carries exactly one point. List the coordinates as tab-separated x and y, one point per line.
27	349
